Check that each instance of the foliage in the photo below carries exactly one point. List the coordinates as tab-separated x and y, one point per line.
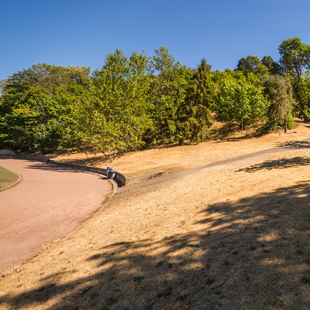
278	91
295	56
273	67
240	100
204	67
194	113
138	101
304	93
122	87
167	90
35	104
251	64
295	59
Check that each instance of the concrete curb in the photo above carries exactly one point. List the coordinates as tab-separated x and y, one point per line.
120	179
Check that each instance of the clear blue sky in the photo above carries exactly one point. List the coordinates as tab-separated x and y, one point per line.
83	32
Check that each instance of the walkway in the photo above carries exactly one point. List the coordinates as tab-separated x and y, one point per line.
47	204
187	172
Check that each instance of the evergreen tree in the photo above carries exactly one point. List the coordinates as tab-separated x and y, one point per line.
273	67
168	84
279	92
194	112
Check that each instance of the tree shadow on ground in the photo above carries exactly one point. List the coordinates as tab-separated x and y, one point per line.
100	160
94	161
245	136
301	122
251	253
295	144
58	168
49	167
278	164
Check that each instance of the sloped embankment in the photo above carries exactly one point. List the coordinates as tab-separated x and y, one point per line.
228	237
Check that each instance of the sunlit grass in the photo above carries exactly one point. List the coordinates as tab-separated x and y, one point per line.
7	178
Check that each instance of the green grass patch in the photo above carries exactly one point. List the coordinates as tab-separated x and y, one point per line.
7	178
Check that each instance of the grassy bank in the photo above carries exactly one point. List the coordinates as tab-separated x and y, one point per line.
7	178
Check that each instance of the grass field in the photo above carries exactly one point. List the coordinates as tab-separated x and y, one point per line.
7	178
230	237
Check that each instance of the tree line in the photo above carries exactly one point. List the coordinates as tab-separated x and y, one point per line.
139	101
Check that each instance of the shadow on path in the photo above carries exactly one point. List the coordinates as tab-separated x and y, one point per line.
58	168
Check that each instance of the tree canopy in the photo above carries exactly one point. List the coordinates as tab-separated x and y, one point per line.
295	59
140	101
240	99
251	64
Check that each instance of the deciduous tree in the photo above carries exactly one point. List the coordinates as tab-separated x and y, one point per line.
240	100
295	59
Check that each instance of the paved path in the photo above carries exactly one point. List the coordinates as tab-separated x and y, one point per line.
47	204
187	172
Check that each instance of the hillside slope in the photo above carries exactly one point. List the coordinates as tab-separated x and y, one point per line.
177	158
228	237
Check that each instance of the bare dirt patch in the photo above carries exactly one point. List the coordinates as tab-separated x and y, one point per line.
228	237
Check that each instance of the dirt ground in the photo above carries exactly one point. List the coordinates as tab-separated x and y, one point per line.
234	236
46	205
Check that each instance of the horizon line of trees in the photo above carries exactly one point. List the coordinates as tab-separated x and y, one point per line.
138	101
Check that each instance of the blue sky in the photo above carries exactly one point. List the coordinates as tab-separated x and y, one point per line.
83	32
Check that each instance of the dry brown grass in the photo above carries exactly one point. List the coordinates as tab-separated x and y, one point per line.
176	158
228	237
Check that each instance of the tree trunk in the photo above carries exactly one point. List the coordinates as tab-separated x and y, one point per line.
285	125
306	119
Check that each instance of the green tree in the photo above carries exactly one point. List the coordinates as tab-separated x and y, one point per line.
273	67
295	59
304	93
251	64
194	112
35	102
167	89
240	100
279	92
122	87
204	66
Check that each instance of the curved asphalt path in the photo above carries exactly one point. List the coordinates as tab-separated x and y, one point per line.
187	172
48	203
